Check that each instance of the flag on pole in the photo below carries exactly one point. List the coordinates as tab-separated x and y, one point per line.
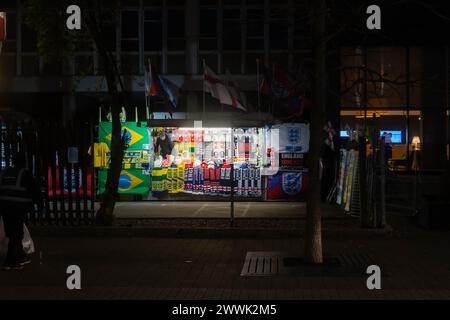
276	83
234	90
168	90
213	84
2	29
151	86
219	90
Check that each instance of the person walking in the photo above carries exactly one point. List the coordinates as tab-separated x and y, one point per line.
18	193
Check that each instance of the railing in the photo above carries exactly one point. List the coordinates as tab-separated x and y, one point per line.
58	157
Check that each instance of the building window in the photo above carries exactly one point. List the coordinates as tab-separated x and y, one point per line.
301	30
9	46
109	35
208	29
130	42
279	28
388	107
29	39
232	29
130	31
255	29
175	63
175	30
232	62
153	30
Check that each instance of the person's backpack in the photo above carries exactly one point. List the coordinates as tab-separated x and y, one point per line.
11	188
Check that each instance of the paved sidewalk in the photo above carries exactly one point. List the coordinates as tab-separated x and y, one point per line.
416	267
210	209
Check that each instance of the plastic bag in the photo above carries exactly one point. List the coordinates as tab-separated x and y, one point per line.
27	242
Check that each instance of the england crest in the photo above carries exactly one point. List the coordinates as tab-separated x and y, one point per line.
292	183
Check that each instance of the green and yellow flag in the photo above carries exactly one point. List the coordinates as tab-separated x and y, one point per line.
136	134
131	181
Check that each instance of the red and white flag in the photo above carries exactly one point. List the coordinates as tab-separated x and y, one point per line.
151	86
236	92
2	26
219	89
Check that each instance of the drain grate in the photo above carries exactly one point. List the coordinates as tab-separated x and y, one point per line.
270	263
355	261
262	263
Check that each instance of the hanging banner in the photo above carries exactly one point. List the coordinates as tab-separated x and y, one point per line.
136	134
138	150
287	185
292	161
139	159
131	181
293	137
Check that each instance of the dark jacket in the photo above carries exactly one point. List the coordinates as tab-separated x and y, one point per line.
164	146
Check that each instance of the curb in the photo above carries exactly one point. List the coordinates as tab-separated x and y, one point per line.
176	232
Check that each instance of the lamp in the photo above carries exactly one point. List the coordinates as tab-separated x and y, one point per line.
415	143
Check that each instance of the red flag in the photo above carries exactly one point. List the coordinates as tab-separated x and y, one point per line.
2	26
151	86
219	89
276	83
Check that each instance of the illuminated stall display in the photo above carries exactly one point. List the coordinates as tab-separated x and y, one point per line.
269	163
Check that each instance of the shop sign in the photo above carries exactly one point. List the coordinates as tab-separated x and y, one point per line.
292	161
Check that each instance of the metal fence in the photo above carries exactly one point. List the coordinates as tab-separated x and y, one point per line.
58	157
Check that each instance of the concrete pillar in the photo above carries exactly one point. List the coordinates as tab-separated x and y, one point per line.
266	32
141	37
192	64
192	32
69	107
433	109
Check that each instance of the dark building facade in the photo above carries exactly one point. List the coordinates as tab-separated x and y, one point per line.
404	86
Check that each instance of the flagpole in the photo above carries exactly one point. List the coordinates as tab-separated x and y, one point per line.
145	93
273	77
258	86
204	91
148	101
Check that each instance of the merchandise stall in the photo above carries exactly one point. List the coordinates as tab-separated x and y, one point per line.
200	161
175	161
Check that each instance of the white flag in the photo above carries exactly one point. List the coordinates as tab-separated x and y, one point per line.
235	92
218	89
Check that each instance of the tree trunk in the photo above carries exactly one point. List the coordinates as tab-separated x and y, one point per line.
313	234
105	215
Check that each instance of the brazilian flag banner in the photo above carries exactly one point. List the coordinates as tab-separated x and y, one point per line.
136	134
131	181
